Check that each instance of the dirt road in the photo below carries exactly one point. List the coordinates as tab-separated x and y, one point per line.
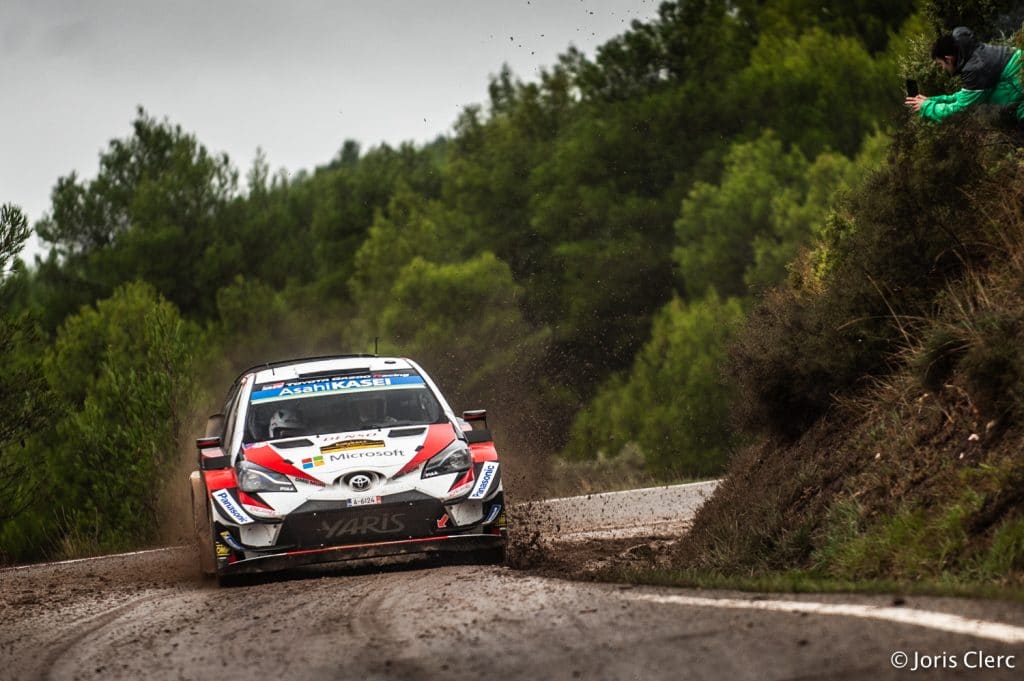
149	616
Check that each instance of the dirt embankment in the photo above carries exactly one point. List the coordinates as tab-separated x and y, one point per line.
910	485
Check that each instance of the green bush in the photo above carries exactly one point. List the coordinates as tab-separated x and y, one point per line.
672	405
987	18
24	395
720	226
122	374
802	87
257	323
993	366
892	246
462	320
937	358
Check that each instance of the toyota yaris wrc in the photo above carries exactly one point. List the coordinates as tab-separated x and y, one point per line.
339	458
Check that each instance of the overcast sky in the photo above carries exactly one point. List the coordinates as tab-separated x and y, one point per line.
295	77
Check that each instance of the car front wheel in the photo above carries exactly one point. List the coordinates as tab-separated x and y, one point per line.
203	526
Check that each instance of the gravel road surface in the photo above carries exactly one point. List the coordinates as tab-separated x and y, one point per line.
148	615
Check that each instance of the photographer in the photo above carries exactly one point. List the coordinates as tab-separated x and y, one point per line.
989	74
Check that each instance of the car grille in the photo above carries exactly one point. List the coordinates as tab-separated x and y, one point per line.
324	526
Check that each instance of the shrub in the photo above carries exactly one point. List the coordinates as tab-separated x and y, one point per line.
935	362
892	246
122	371
993	367
673	405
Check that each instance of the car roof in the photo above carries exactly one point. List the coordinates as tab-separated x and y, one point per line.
309	366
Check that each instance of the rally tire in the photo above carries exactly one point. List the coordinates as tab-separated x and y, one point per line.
203	526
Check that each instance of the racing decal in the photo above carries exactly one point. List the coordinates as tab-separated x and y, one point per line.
250	500
359	435
222	550
488	474
382	524
312	461
373	453
439	436
351	444
466	479
293	389
365	501
232	509
443	522
267	457
492	516
230	540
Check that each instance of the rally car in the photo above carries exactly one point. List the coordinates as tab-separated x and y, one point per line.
337	458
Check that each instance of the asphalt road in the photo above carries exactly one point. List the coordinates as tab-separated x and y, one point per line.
149	616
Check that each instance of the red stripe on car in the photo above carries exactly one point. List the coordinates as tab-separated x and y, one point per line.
251	501
439	436
464	480
268	457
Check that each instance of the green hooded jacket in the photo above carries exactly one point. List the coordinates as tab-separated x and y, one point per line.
990	75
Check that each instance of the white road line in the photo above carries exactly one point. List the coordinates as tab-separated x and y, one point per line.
83	560
995	631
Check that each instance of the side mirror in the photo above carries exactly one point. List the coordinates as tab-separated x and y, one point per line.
476	418
215	425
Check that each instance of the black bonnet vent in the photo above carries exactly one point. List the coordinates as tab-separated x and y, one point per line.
406	432
293	444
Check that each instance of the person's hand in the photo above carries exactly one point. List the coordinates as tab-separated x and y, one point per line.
915	102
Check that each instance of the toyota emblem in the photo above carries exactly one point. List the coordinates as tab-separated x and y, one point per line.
359	482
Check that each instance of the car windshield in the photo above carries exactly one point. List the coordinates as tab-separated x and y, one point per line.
336	404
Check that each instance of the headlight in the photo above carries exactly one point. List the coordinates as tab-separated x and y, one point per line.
253	478
452	459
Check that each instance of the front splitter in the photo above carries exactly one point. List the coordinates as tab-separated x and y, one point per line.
329	554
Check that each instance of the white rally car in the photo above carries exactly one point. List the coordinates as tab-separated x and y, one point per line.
337	458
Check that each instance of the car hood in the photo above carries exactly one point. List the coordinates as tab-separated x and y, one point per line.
324	458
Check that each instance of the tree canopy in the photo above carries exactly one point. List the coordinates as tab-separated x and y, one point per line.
578	250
